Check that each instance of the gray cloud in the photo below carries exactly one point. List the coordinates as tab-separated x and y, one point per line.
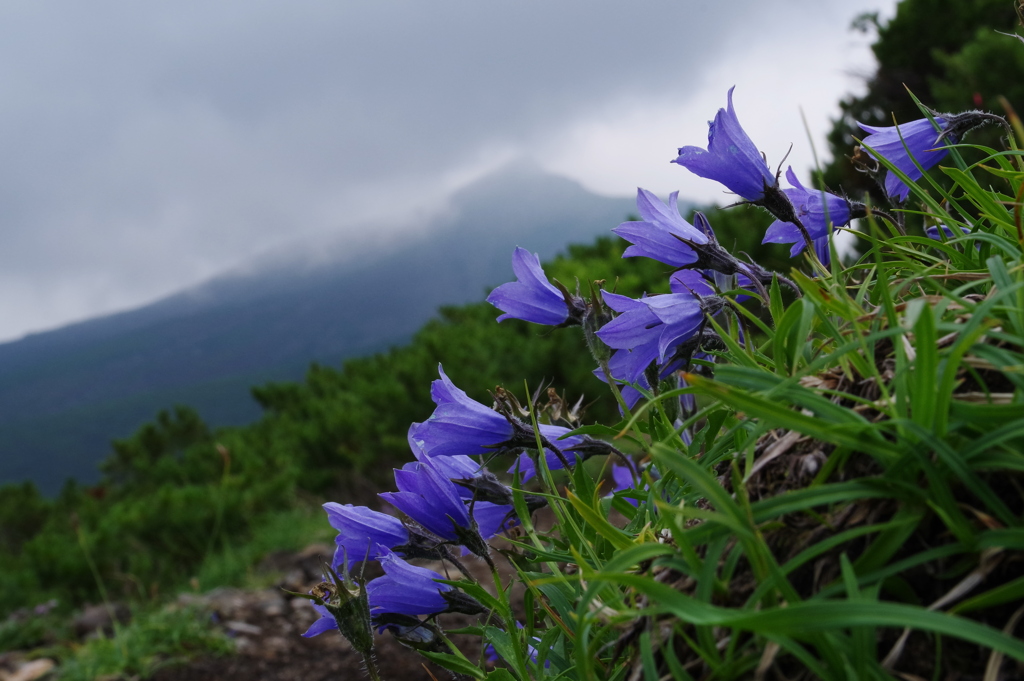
145	146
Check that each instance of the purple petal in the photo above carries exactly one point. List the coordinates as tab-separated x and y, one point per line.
731	157
531	297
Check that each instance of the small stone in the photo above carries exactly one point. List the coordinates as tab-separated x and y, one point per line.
243	628
35	669
97	618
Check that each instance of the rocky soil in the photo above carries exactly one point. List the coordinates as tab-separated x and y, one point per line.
266	626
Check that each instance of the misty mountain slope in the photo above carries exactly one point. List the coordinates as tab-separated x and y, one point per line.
65	394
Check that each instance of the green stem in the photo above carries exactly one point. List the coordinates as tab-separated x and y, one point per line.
507	622
371	668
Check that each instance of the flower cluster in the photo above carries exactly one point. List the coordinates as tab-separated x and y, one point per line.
447	502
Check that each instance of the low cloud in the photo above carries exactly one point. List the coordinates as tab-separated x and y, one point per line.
146	147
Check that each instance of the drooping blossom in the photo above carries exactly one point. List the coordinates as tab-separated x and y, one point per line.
650	328
405	589
933	233
431	499
459	425
459	466
532	298
462	426
662	233
634	336
816	210
326	622
528	470
731	158
493	519
629	394
903	144
622	479
360	531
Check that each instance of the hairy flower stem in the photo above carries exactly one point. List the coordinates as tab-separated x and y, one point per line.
862	210
788	283
458	565
371	667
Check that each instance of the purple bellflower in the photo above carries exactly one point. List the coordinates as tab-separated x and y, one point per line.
650	327
731	158
634	335
360	531
459	466
533	298
325	623
662	233
459	425
565	446
622	480
405	589
933	233
463	426
432	500
493	519
919	142
630	394
816	210
528	470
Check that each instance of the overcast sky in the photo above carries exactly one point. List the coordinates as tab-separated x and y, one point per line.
147	146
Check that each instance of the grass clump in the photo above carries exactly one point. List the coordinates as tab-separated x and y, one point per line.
153	640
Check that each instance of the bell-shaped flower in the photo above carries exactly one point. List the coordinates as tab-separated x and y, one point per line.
528	470
459	425
662	234
532	297
405	589
903	144
459	466
618	366
933	232
622	480
360	531
636	329
493	519
731	158
651	327
816	209
326	622
432	500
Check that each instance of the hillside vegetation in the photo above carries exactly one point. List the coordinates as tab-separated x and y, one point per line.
178	492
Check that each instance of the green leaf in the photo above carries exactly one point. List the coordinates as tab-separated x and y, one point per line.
858	438
459	665
925	366
982	199
616	537
1011	591
775	305
808	618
